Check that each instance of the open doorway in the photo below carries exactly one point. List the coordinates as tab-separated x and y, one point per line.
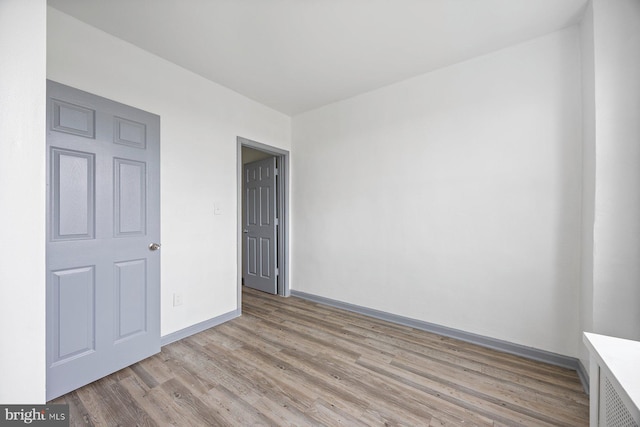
253	153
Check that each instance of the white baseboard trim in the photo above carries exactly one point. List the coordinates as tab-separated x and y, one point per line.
492	343
198	327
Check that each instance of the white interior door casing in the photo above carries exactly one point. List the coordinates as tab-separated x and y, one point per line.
103	206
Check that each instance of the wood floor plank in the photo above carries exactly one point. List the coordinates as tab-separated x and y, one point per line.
380	393
234	409
331	414
445	345
199	412
191	375
245	375
460	398
156	409
395	330
360	324
95	406
405	337
293	362
333	335
116	405
324	387
78	414
507	394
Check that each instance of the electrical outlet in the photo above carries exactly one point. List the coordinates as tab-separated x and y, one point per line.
177	300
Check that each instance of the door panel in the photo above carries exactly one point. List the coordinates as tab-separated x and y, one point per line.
251	249
129	197
103	282
266	256
131	133
73	198
74	312
260	266
131	300
74	119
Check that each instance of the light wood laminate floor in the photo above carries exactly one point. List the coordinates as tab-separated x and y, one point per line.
291	362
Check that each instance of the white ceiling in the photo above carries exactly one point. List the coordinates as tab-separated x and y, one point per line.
297	55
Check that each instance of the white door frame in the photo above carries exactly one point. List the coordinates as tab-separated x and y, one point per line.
283	208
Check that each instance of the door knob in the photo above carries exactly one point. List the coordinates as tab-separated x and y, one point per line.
154	246
245	231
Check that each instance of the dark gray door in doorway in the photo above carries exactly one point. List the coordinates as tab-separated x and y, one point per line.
103	263
260	226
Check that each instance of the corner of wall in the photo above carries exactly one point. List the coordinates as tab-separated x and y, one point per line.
588	176
22	187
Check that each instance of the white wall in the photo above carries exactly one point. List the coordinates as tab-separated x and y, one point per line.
22	200
452	198
200	121
616	274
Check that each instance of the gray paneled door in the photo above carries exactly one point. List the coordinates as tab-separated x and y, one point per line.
103	206
260	244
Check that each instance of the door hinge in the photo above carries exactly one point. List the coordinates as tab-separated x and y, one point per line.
275	171
277	221
277	271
